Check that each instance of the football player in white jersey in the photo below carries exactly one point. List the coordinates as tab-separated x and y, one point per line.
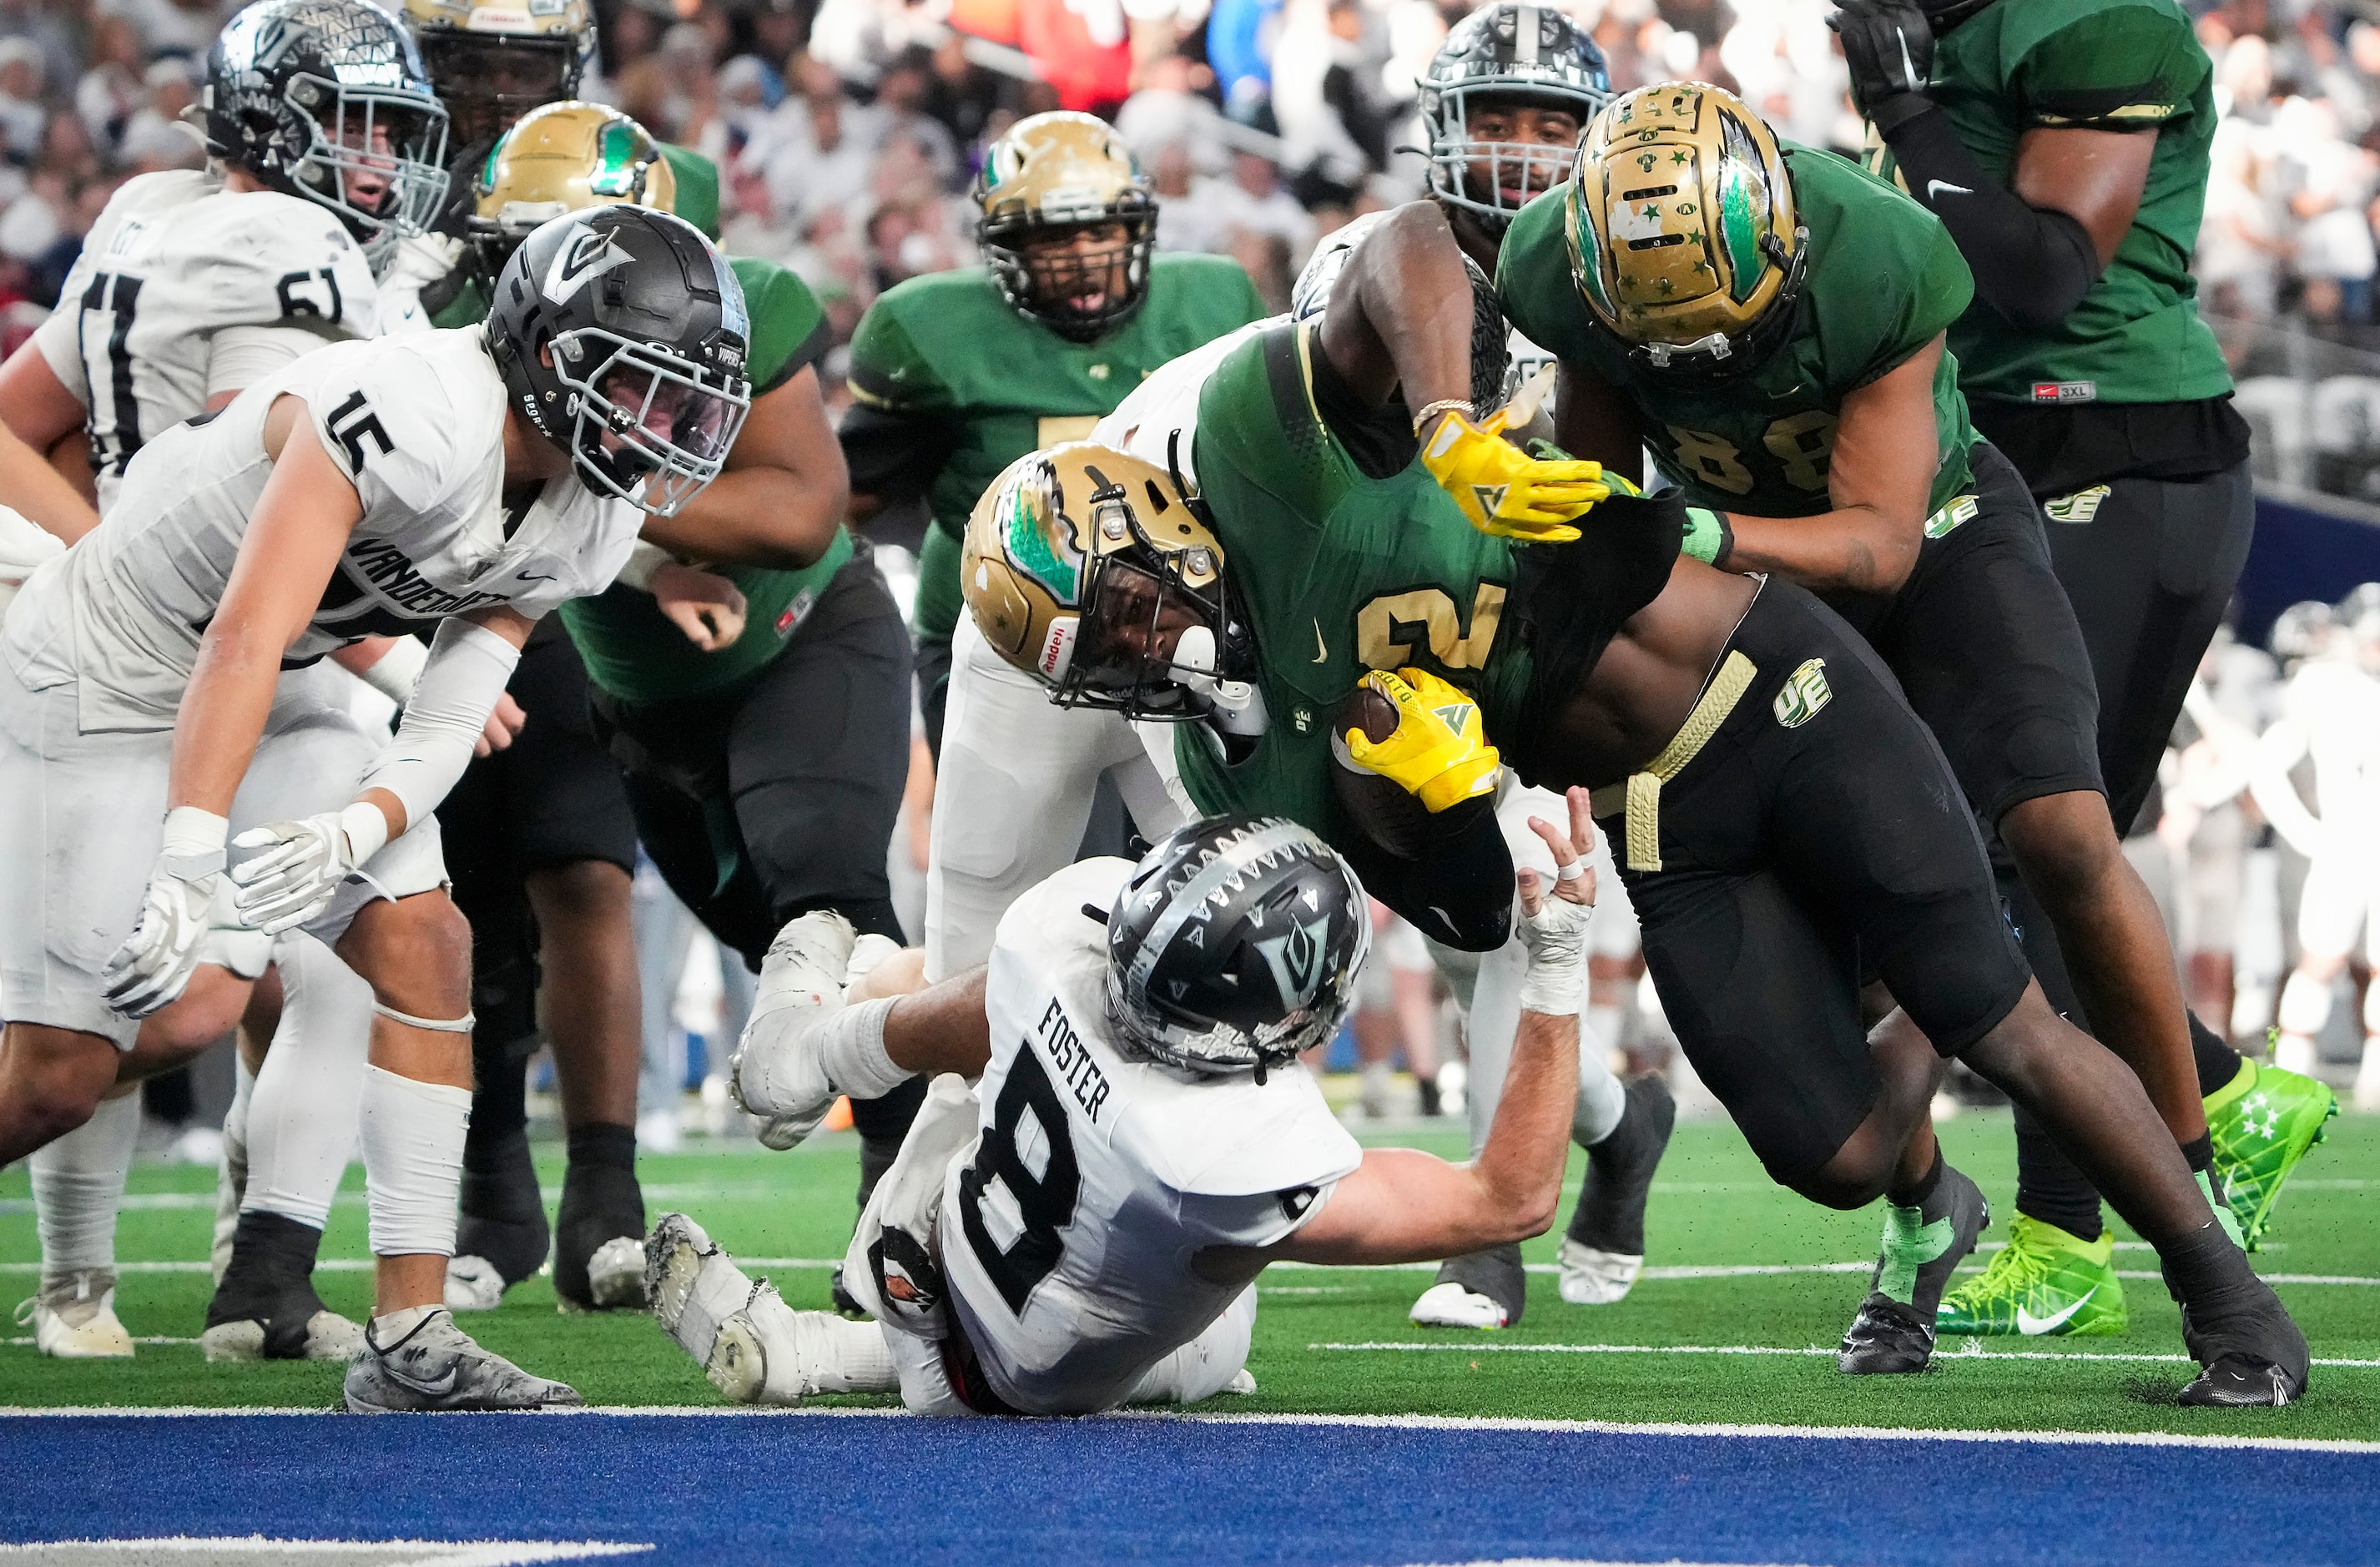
193	285
470	480
1085	1229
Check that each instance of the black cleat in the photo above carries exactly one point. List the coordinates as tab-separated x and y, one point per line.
1484	1289
2251	1350
1891	1337
265	1308
599	1244
502	1237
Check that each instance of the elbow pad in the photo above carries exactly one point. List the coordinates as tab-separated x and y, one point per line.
466	673
2032	264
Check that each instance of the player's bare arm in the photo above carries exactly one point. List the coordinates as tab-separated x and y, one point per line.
782	494
41	413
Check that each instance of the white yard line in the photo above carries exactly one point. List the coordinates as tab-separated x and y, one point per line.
1974	1352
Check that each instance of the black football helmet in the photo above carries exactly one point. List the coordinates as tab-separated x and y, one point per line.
1235	946
623	335
1511	53
327	100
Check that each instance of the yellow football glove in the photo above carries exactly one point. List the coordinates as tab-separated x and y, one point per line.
1440	751
1504	490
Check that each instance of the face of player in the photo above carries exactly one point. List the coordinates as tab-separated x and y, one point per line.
1078	269
667	413
368	187
487	84
1511	182
1136	625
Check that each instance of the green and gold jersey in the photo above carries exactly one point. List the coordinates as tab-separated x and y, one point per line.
1336	573
947	352
1884	278
630	647
696	201
2094	65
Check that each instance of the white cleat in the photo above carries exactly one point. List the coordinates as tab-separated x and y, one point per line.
615	1274
329	1336
436	1367
769	1353
473	1283
74	1317
775	1073
753	1347
1242	1383
1452	1305
1596	1277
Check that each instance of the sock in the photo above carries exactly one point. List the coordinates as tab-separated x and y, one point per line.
2224	1097
413	1162
884	1126
1428	1088
502	1216
2203	1265
1610	1212
600	1201
389	1330
2218	1063
500	1100
78	1180
1601	1026
1922	1193
863	1362
1375	1077
308	1095
2048	1187
235	1126
2200	1151
271	1279
1602	1102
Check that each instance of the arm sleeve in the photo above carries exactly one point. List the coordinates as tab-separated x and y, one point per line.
239	356
468	669
1460	893
2032	264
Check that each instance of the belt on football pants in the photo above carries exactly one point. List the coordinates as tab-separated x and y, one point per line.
1640	797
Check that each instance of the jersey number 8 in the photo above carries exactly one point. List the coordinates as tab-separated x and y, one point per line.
1021	1190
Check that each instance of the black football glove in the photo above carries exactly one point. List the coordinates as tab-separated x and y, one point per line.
1889	46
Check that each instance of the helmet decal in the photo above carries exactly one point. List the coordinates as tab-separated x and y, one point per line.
1032	546
618	168
1295	960
1743	208
584	256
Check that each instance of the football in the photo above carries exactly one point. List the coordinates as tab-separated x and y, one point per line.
1381	810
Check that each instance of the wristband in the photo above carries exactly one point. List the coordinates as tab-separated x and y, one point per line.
851	1049
366	826
395	671
643	561
1708	537
1898	111
192	843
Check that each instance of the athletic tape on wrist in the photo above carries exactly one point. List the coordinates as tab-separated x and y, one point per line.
853	1050
395	673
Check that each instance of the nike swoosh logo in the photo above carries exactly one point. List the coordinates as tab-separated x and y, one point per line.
1937	189
2033	1327
532	576
1321	654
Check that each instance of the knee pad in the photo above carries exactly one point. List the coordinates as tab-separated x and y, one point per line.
2305	1005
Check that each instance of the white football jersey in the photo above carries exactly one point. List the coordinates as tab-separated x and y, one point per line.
173	259
1068	1237
417	422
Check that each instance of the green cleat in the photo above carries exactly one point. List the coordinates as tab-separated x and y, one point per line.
2043	1283
2262	1121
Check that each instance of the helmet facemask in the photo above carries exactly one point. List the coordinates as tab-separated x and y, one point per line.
648	425
489	81
375	155
1486	173
1145	616
1081	294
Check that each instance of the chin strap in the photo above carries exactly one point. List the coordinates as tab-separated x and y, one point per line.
1236	706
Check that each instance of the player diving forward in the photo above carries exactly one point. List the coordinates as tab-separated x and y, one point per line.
470	480
192	285
1787	817
2063	143
1085	1229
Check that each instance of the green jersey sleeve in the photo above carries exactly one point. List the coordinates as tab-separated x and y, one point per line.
1258	406
2127	67
888	371
698	187
789	326
1928	290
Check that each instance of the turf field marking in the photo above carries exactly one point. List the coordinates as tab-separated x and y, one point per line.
144	1339
233	1549
1973	1352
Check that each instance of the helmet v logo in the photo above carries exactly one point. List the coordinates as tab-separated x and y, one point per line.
584	256
1297	963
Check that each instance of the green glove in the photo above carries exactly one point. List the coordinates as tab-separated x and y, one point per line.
1707	538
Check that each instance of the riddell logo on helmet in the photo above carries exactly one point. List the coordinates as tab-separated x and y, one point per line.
1057	648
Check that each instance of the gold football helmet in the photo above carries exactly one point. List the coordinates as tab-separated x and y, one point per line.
1682	230
1057	174
494	60
558	159
1089	570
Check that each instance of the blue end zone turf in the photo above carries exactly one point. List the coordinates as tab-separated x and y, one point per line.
862	1489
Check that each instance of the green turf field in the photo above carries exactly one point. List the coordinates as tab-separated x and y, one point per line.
1712	1208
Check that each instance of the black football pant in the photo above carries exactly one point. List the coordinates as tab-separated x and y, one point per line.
2150	566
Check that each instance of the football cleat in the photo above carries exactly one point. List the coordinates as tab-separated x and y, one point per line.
2044	1282
775	1073
74	1317
435	1367
769	1353
2250	1351
598	1240
1596	1277
1893	1332
320	1335
1484	1289
1452	1305
691	1286
2262	1123
265	1307
473	1283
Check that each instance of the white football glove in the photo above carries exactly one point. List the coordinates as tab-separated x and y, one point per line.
777	1072
305	861
1556	938
149	971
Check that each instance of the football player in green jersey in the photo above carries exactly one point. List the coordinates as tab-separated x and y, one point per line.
1769	321
2063	143
956	374
763	769
1786	816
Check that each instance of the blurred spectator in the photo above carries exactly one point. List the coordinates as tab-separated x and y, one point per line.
112	90
818	162
23	115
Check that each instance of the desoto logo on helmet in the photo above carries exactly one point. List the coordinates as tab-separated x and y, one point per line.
1295	960
583	257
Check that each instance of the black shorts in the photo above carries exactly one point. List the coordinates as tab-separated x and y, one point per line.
1817	836
2149	565
779	794
1986	650
551	798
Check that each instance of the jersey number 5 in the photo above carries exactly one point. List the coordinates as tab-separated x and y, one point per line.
1022	1188
352	423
